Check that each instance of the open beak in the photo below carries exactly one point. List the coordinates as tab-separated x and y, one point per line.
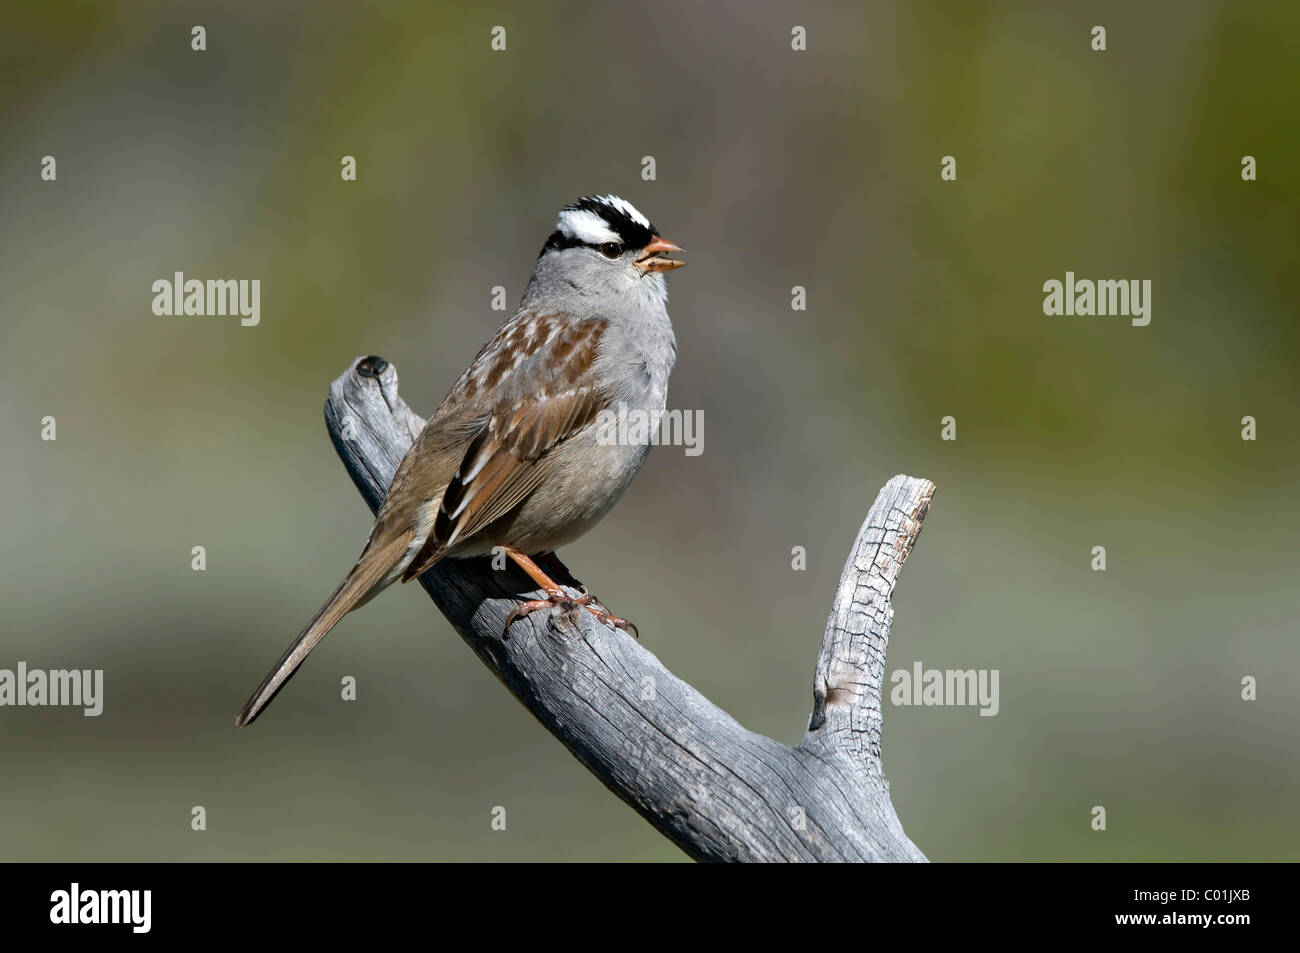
651	257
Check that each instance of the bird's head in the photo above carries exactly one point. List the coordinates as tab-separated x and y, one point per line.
602	243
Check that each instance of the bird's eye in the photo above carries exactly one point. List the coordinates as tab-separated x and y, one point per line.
611	250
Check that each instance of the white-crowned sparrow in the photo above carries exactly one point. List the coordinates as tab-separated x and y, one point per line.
513	457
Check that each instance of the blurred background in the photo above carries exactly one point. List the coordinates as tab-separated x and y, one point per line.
774	168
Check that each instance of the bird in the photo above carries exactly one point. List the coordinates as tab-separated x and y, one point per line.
514	458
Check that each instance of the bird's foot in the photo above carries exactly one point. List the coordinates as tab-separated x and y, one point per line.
559	599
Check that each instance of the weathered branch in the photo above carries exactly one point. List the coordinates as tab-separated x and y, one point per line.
718	791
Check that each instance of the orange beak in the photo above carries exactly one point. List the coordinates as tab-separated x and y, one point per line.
650	258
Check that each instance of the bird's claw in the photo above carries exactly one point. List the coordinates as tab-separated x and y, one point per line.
562	600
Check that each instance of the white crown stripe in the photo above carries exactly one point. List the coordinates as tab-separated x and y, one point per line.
626	207
585	226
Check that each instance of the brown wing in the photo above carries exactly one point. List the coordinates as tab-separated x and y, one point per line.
429	465
547	398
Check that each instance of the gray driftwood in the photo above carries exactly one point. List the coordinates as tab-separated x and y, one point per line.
716	790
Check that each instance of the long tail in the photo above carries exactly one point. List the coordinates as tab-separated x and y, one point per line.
372	573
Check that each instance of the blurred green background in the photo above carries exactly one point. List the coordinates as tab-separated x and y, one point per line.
774	169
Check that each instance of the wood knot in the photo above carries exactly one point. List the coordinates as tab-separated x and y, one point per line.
837	695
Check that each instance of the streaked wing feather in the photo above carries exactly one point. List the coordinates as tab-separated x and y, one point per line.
548	398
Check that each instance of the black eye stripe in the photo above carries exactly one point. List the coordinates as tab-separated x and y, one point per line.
559	241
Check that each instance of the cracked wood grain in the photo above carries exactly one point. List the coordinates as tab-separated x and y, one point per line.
715	789
847	685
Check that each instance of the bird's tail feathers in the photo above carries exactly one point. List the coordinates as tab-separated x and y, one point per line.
372	573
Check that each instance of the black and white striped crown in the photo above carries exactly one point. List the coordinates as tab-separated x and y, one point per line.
595	220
